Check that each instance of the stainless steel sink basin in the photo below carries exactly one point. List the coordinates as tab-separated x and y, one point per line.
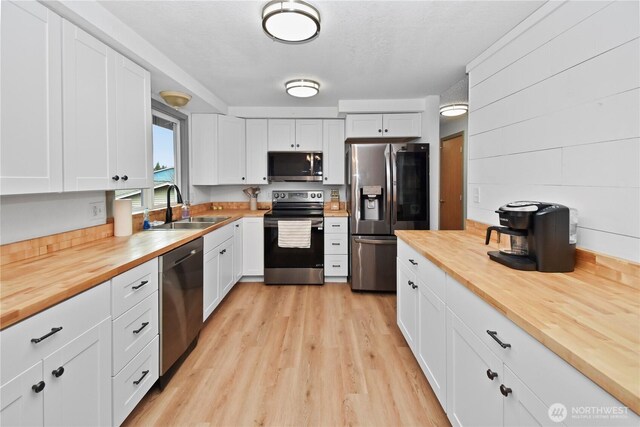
209	219
199	223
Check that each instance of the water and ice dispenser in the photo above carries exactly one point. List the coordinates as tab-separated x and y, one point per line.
371	203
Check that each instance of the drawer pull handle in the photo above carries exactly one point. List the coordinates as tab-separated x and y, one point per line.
335	244
38	387
144	374
335	266
492	375
505	390
413	285
144	325
222	252
144	282
335	225
58	372
413	262
494	335
44	337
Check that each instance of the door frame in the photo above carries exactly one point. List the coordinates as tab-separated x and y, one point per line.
461	133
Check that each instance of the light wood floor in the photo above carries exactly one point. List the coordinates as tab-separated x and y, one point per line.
297	356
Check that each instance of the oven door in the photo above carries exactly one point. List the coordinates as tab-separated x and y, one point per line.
293	265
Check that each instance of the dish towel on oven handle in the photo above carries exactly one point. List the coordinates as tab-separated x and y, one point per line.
294	234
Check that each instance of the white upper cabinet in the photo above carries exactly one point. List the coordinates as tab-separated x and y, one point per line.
231	150
257	140
89	111
31	99
308	135
282	134
133	121
204	149
333	152
407	126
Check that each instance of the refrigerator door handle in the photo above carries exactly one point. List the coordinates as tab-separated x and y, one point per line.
388	208
394	190
376	242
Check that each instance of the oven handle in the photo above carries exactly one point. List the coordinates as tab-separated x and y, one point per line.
273	223
375	242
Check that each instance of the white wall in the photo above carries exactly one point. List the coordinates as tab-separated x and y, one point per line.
555	116
34	215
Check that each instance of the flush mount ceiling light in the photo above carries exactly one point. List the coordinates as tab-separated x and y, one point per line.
302	88
453	110
175	99
291	21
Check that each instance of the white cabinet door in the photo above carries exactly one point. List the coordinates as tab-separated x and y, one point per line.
522	408
226	272
407	305
204	149
231	150
333	151
432	340
402	125
20	404
257	148
472	397
252	247
78	378
282	135
211	291
309	135
237	250
89	124
133	121
30	99
364	126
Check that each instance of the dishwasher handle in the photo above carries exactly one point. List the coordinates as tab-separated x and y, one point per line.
184	258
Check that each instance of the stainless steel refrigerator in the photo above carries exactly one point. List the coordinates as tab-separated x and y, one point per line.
387	190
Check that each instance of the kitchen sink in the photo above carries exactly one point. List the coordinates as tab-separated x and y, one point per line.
208	219
199	223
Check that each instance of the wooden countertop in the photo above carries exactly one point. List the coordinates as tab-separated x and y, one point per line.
33	285
341	213
599	335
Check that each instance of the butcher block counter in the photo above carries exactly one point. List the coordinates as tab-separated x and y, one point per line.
35	284
591	322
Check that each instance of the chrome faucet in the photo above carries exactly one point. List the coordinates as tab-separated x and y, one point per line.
169	217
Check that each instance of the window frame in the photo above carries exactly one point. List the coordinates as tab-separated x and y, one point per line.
148	196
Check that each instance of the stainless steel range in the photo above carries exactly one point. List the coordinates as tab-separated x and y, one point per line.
294	238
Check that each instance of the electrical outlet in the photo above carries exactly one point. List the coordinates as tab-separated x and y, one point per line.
97	210
476	195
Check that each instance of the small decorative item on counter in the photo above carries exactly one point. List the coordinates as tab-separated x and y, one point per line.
252	192
145	220
334	204
186	210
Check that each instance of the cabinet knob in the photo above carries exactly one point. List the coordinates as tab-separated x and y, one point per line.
291	145
115	178
38	387
386	130
125	177
297	145
326	178
58	372
505	390
492	375
243	178
264	178
237	225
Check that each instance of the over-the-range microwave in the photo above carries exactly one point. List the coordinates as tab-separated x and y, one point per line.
295	166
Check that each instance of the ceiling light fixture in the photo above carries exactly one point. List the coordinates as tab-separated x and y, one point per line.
302	88
291	21
175	99
453	110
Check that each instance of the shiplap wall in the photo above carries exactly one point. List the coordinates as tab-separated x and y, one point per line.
555	116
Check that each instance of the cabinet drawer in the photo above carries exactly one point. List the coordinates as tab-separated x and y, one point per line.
126	393
217	237
409	256
336	265
126	341
131	287
335	225
75	315
335	244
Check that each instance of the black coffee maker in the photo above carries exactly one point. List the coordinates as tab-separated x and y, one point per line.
536	237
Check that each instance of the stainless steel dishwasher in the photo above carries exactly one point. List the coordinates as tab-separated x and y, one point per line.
180	305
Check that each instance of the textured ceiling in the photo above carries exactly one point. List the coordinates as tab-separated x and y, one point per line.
366	49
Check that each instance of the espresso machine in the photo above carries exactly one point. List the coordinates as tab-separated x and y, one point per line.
535	236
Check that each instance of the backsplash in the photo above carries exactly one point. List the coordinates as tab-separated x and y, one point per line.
233	193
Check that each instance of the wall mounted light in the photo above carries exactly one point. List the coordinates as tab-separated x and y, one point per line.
291	21
453	110
175	99
302	88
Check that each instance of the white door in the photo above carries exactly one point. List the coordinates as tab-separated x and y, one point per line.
333	152
432	340
364	125
402	125
211	290
522	408
252	247
237	250
407	304
78	378
203	149
231	150
309	135
257	148
282	135
89	107
473	398
133	121
226	272
22	398
30	99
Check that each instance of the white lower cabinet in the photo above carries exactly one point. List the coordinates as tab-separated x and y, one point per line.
523	407
20	404
336	248
211	291
253	246
226	272
220	268
407	305
237	249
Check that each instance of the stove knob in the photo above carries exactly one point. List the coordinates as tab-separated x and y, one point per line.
319	195
276	195
282	195
313	195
